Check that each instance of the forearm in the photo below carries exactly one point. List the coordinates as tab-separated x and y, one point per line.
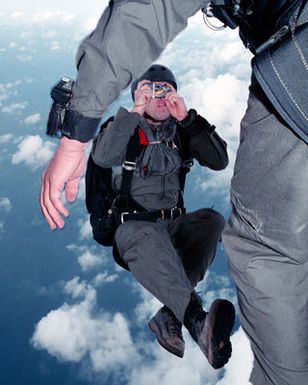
204	144
128	38
109	148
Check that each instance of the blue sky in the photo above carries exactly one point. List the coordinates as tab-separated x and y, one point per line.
68	315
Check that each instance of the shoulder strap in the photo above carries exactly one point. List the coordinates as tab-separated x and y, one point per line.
132	152
98	179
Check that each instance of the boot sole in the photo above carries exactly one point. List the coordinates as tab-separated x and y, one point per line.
216	333
171	349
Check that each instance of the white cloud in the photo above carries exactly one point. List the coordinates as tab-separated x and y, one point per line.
7	90
82	189
5	204
57	16
165	369
32	119
33	151
13	44
24	58
75	332
13	108
16	14
79	333
102	278
55	45
78	289
85	229
5	138
88	258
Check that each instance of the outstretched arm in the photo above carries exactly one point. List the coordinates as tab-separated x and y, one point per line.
129	36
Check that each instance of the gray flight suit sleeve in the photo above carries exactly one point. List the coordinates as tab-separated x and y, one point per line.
204	143
129	36
109	147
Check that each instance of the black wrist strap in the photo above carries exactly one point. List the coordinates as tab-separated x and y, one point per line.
79	127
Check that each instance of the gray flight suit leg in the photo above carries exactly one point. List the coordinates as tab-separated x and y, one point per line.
195	237
266	239
169	257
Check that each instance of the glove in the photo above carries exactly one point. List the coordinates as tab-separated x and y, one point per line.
64	171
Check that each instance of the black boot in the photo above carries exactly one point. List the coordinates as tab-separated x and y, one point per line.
211	330
168	331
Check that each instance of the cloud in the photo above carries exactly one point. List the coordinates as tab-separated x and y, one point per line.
103	341
13	44
13	108
33	151
55	16
55	45
103	278
165	369
24	58
5	138
75	332
88	258
32	119
5	204
85	229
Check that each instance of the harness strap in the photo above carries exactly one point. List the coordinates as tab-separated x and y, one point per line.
132	152
125	202
152	216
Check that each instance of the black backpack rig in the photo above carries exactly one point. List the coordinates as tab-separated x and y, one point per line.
107	207
246	15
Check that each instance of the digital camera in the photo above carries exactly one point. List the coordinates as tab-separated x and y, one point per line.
159	90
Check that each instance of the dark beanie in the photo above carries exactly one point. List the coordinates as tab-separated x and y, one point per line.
156	73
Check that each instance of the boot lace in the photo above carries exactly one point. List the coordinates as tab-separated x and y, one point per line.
174	325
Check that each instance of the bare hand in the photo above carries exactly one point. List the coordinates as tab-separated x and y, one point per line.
176	105
142	95
63	172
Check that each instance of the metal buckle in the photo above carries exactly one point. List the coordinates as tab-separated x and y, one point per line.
129	166
173	210
122	216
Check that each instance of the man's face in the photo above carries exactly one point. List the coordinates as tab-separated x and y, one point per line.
157	108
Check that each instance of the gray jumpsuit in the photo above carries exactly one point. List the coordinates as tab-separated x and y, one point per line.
170	256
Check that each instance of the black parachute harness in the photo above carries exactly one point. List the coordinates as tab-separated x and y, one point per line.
240	13
108	209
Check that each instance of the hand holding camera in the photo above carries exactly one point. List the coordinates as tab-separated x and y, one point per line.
176	105
142	95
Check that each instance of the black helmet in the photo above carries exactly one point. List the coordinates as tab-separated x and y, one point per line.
156	73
